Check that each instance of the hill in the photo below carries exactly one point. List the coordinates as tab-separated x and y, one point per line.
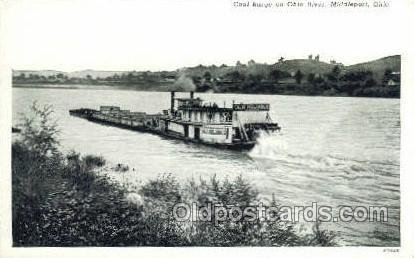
378	66
45	73
306	66
94	73
76	74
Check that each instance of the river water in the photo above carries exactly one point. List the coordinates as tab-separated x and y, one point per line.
331	150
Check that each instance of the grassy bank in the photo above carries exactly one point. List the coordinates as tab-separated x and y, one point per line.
59	200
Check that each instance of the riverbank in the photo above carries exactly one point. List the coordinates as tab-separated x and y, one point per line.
59	199
62	202
287	90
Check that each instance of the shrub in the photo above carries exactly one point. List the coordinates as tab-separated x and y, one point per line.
94	161
164	188
320	237
238	192
39	131
121	168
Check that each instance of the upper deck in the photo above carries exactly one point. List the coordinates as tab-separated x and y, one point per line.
197	104
194	110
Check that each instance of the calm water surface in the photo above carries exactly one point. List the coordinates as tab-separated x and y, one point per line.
334	151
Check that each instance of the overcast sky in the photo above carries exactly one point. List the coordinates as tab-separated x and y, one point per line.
72	35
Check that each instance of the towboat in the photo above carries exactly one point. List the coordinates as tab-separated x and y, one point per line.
192	120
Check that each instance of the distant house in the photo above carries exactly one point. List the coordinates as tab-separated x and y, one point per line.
394	79
391	82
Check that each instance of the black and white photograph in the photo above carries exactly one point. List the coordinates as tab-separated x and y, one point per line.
196	124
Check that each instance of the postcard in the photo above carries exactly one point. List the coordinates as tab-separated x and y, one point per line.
225	128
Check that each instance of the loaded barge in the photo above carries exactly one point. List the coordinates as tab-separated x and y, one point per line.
191	120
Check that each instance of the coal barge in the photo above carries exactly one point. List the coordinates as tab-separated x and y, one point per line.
191	120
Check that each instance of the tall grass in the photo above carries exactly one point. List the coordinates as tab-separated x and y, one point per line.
58	200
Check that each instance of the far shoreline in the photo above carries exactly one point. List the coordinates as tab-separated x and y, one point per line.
131	88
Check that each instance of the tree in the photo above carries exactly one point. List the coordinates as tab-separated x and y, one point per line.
129	77
207	76
334	75
39	132
311	77
387	75
298	77
318	79
387	72
370	83
357	76
275	75
145	75
281	59
235	76
196	79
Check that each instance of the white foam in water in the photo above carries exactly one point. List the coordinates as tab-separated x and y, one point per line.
277	147
269	146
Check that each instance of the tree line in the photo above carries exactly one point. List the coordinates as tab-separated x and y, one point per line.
251	78
338	82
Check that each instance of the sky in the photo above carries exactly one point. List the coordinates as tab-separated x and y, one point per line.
117	35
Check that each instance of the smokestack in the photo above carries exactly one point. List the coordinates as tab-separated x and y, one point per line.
172	100
191	94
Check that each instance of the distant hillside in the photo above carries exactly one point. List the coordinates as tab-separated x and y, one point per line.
45	73
306	66
94	73
290	66
76	74
377	78
378	66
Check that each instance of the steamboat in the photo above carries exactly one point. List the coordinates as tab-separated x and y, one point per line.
192	120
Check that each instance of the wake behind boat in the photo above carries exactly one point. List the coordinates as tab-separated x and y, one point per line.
192	120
